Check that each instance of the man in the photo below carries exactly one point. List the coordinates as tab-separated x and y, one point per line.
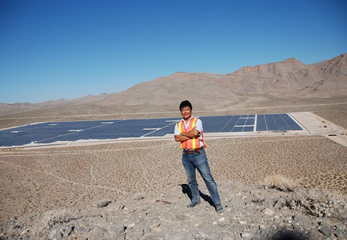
189	133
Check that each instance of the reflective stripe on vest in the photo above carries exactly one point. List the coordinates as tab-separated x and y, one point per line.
192	143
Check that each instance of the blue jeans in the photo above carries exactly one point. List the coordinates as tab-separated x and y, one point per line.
192	161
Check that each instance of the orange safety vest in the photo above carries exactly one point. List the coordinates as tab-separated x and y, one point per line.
191	143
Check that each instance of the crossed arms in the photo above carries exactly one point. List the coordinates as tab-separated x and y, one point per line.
187	135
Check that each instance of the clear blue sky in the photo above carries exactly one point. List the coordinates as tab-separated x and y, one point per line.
51	49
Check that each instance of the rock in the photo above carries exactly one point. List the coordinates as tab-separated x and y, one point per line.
69	230
326	231
103	203
56	234
246	235
131	225
118	229
83	230
98	233
103	232
102	221
139	196
280	203
300	219
157	229
235	204
15	226
136	234
269	202
26	231
268	212
339	233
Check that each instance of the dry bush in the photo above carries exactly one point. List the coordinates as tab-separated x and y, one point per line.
279	182
42	224
53	217
320	203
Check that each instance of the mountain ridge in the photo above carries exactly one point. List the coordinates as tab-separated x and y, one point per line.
289	78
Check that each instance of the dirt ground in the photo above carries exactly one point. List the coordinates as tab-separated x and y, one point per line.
33	180
41	179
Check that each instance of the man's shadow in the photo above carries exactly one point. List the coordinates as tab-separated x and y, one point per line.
186	190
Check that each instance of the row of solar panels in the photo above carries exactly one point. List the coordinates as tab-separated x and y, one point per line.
72	131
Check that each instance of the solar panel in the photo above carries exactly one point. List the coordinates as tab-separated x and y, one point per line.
261	123
112	129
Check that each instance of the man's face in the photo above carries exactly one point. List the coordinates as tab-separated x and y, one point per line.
186	112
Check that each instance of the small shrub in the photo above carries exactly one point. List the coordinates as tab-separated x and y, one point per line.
279	182
53	217
321	203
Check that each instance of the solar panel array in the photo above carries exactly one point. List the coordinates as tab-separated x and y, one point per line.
238	123
133	128
276	122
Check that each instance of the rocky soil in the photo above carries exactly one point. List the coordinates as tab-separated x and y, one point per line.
251	212
271	187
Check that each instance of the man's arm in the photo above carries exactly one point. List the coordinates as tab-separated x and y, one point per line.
191	134
180	138
187	135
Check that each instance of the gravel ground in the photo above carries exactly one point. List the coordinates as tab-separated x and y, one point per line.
43	179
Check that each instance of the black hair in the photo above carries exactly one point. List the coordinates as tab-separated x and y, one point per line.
186	103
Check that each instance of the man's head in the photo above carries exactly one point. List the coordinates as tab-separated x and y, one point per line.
186	109
186	103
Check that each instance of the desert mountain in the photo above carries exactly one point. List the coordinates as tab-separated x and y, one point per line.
51	103
286	79
164	91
